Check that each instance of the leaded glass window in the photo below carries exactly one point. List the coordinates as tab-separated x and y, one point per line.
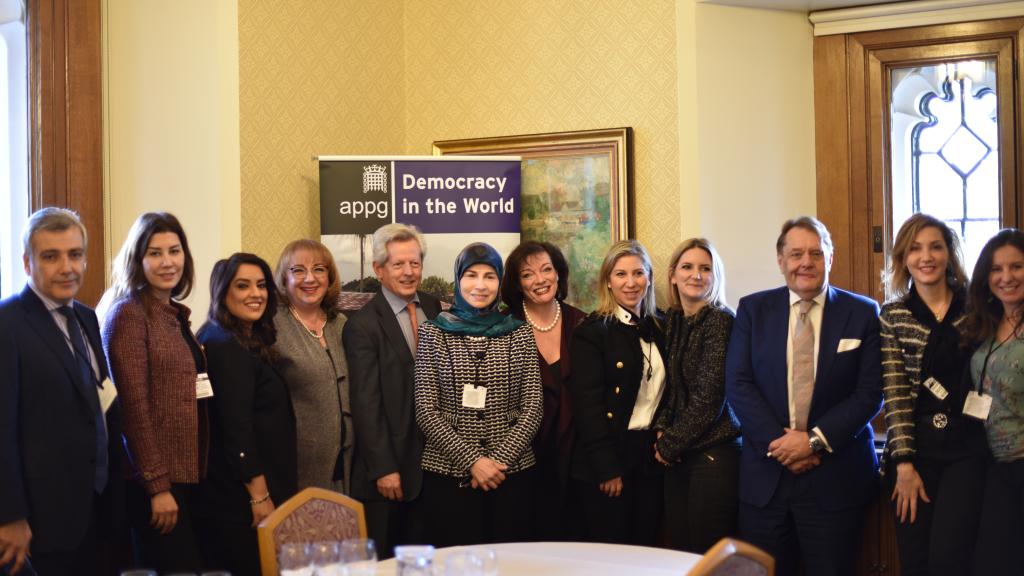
945	149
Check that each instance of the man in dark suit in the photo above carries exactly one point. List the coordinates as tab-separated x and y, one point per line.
803	375
59	425
380	345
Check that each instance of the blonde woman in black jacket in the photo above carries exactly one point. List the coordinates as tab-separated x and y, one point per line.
618	383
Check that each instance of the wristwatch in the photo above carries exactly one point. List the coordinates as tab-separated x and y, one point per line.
817	444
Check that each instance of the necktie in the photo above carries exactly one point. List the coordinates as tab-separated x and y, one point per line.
803	365
411	307
89	382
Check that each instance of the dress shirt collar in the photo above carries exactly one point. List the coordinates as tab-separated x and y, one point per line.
51	305
625	316
396	302
819	299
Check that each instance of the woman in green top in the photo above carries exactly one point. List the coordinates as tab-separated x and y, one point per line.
996	305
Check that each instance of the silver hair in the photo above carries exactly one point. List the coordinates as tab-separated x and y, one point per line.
51	219
396	232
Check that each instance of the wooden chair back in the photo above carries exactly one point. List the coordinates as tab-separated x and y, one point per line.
731	557
312	515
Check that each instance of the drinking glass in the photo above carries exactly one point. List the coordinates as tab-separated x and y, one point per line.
327	558
415	560
359	556
464	563
294	559
488	560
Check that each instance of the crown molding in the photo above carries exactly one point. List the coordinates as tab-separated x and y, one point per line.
908	14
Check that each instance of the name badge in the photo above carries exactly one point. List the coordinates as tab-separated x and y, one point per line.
474	396
107	394
936	388
203	387
977	405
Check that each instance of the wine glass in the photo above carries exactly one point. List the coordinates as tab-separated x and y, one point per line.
488	560
294	559
359	556
327	558
464	563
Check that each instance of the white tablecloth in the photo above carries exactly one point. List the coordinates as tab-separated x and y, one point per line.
575	558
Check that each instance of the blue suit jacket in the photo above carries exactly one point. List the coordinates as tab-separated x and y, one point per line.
847	395
47	426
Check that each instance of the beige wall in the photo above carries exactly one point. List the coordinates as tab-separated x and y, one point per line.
720	99
538	66
750	153
171	124
316	77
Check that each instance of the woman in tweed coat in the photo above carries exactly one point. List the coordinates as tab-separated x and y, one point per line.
155	361
479	404
698	435
313	363
935	457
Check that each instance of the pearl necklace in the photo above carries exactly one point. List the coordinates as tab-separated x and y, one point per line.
549	327
312	333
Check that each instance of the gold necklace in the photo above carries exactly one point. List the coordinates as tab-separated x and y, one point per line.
549	327
312	333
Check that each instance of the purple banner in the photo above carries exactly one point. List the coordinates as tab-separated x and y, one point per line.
455	196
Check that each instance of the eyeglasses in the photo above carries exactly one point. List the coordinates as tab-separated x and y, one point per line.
301	272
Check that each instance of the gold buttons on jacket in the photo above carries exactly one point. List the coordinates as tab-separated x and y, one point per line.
617	390
618	364
610	415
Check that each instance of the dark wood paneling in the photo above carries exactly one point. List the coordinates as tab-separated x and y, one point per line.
832	141
65	116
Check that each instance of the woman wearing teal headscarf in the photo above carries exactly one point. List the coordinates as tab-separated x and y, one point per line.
479	404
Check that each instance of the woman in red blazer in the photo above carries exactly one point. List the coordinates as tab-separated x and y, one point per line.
159	370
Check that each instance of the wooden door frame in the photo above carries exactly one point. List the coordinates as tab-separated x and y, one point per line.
65	120
850	174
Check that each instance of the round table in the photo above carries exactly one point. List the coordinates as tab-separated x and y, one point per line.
574	558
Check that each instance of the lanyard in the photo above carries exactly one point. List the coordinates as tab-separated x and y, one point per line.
991	349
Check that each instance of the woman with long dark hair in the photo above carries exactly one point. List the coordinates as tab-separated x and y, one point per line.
478	402
252	436
160	373
534	288
698	434
995	323
934	459
618	385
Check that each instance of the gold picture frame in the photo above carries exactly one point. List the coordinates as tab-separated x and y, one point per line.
577	193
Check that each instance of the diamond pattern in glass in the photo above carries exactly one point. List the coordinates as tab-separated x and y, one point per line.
964	150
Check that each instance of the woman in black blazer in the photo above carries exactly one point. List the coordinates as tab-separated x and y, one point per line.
253	462
698	434
617	384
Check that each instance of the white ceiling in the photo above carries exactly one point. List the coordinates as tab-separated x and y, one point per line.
798	5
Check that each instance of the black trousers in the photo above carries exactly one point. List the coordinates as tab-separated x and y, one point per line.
393	524
101	552
177	551
456	515
793	525
1001	533
702	498
634	516
941	540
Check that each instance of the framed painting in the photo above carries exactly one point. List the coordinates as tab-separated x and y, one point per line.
577	193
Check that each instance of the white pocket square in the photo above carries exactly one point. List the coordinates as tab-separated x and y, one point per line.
847	344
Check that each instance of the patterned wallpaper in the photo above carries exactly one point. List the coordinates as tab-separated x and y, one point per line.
389	76
315	77
476	69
